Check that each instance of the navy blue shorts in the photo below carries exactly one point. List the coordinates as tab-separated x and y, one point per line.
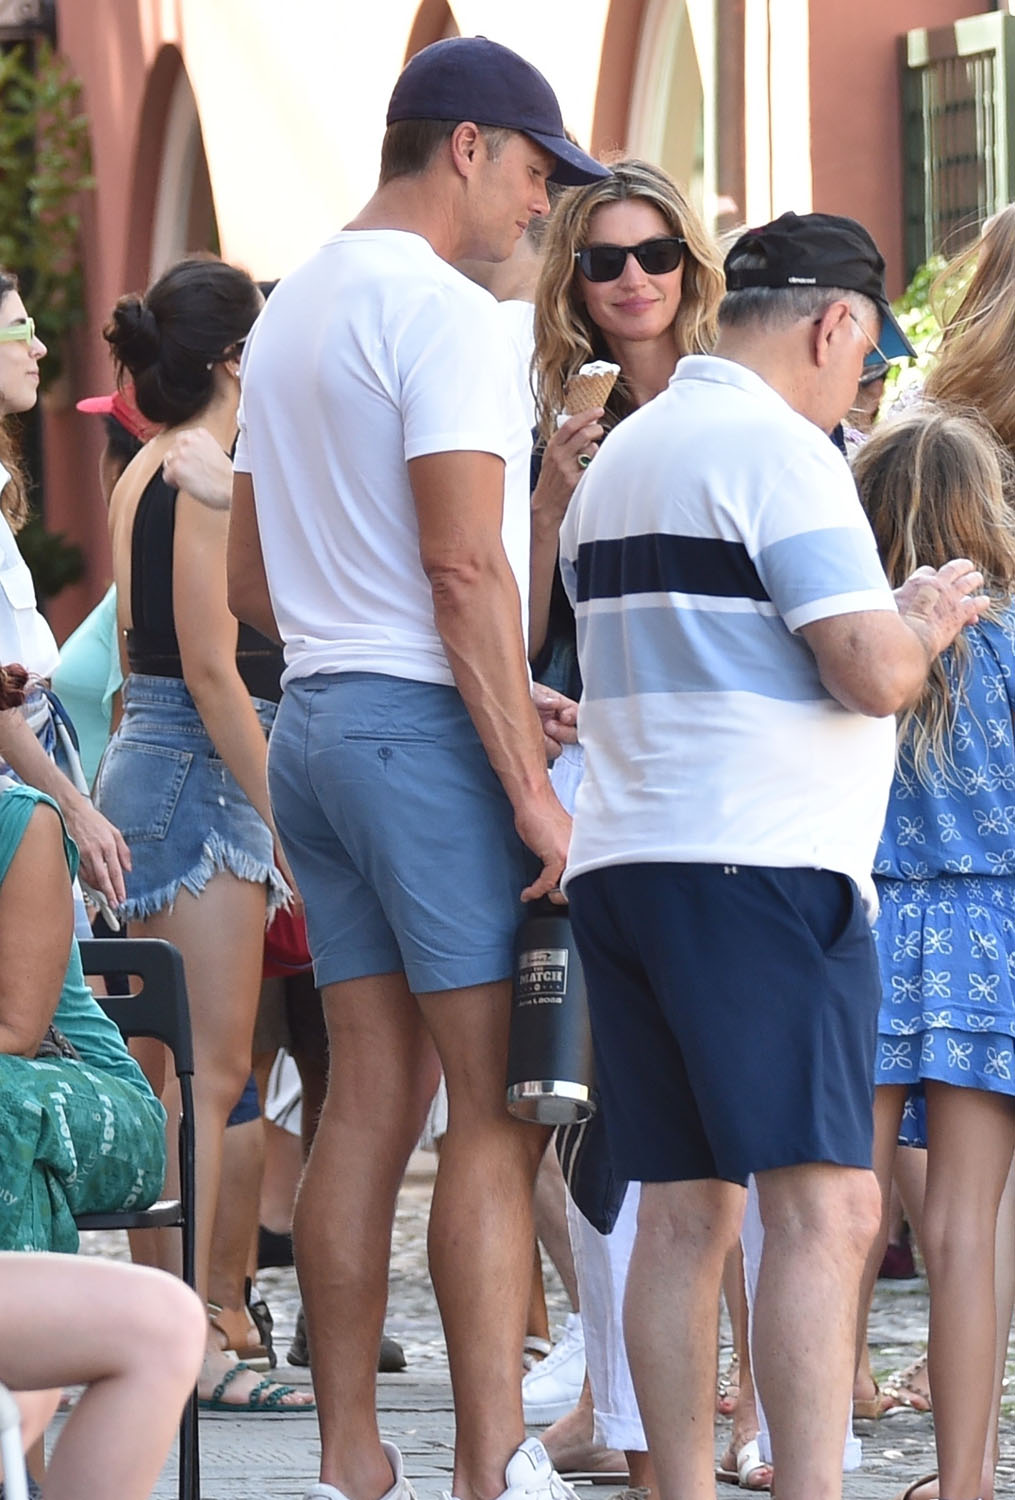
734	1012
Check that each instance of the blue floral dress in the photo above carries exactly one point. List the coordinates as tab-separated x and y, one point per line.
945	872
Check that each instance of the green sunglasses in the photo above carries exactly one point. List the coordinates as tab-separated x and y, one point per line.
19	333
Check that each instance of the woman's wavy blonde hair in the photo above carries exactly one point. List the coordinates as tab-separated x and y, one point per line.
566	338
975	364
936	484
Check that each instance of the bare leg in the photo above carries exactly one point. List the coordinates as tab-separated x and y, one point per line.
820	1221
888	1103
1004	1288
571	1444
685	1230
746	1423
383	1075
235	1225
481	1262
220	934
550	1214
131	1335
537	1319
727	1392
970	1138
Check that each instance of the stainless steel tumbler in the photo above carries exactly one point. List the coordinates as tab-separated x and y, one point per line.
551	1072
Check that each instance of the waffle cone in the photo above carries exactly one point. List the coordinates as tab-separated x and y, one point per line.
584	391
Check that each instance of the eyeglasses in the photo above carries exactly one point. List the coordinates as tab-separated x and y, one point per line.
19	333
606	262
875	346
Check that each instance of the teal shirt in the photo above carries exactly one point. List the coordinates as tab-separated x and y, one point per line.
78	1015
88	678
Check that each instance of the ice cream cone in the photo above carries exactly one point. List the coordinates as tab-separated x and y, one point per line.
590	387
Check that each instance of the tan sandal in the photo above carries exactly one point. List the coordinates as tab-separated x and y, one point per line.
238	1334
872	1408
911	1489
903	1392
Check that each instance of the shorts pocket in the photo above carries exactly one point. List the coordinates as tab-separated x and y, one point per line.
139	785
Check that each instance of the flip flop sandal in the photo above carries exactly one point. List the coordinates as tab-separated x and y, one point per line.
727	1387
266	1399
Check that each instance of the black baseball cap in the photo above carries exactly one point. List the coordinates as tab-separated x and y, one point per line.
472	78
819	250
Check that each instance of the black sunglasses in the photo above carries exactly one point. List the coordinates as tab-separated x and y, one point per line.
606	262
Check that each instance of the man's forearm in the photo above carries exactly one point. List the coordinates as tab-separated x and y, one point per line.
478	618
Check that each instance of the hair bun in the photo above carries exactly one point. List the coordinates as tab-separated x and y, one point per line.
133	334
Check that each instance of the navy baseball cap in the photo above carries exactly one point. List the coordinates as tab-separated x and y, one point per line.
819	250
472	78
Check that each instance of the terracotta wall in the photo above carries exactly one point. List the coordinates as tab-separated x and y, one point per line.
856	127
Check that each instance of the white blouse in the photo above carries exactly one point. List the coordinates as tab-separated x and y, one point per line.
25	636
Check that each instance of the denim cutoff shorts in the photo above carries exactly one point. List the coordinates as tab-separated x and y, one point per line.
180	810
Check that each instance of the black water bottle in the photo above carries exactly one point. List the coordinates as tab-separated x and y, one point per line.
551	1072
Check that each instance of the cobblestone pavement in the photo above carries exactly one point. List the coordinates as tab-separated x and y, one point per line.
279	1456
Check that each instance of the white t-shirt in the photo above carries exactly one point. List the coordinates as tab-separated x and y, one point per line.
518	317
25	636
372	353
714	524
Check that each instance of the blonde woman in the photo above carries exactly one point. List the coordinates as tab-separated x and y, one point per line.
629	275
934	486
975	364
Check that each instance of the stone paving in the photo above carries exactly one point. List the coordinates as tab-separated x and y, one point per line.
278	1456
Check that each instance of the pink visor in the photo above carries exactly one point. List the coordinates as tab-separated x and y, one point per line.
118	405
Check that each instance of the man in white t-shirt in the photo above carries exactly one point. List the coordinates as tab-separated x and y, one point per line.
742	657
380	524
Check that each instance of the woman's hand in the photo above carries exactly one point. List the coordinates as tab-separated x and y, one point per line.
575	440
104	855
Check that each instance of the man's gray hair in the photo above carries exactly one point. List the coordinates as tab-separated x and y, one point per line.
780	306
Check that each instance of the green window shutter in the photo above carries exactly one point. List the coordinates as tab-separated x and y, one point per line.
958	143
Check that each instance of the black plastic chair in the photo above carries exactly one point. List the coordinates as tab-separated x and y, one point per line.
160	1011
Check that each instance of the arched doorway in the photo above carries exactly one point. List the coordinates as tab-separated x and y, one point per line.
184	218
173	208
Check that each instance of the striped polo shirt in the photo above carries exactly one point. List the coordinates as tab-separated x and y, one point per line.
714	524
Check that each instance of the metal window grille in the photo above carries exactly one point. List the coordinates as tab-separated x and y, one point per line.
958	126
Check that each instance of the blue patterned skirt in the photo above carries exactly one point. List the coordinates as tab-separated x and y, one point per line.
946	949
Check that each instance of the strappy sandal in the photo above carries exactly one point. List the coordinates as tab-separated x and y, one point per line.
727	1387
872	1408
903	1392
240	1333
268	1397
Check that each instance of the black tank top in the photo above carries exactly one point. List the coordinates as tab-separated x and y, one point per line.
152	646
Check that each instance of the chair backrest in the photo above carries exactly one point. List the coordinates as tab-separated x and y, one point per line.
160	1009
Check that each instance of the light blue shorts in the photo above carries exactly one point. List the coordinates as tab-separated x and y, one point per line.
400	835
180	810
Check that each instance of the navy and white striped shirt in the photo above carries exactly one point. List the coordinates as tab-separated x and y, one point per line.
714	524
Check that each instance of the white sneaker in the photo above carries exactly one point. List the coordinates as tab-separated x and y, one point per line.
531	1476
552	1387
400	1490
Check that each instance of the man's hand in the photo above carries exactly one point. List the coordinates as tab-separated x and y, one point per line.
104	855
938	603
544	826
558	716
197	464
